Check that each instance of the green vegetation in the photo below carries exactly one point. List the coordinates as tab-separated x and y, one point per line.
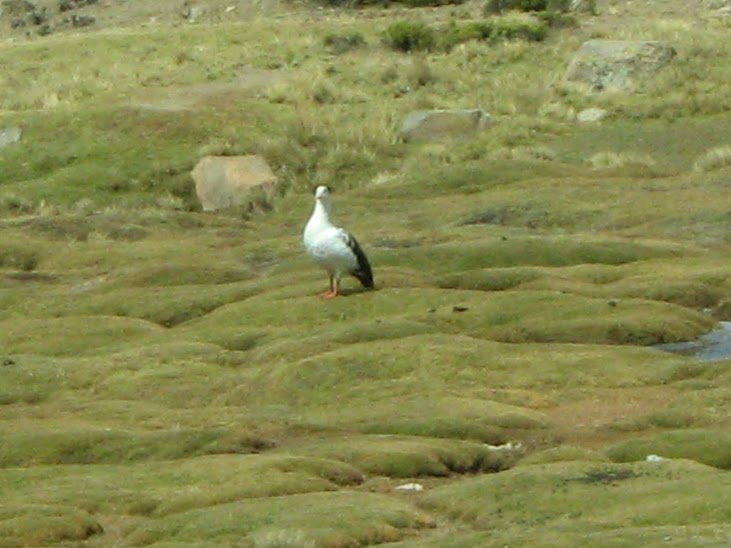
168	377
549	6
408	36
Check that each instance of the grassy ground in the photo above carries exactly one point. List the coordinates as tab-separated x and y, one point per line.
168	377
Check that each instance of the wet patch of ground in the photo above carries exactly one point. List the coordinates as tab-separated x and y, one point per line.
712	346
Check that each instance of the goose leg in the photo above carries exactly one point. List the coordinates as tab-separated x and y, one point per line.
333	291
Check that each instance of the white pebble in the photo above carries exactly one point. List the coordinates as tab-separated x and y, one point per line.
413	487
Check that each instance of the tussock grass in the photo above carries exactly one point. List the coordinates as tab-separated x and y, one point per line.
170	376
711	447
167	488
43	524
705	288
93	447
577	485
74	335
716	158
611	160
562	453
404	457
342	518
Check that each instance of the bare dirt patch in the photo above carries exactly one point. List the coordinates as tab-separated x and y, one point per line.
587	421
184	98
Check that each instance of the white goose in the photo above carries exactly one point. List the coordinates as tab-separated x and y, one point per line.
333	248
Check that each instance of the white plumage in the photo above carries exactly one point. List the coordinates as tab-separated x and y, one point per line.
333	248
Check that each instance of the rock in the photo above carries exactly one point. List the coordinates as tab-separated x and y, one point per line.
583	6
82	20
16	8
438	125
23	13
10	135
509	446
654	459
411	487
192	11
68	5
228	181
590	115
617	64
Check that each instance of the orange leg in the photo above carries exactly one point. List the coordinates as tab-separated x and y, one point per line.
334	288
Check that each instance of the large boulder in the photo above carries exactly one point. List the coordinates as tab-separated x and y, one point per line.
230	181
439	125
617	64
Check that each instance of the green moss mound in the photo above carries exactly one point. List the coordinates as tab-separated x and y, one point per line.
711	447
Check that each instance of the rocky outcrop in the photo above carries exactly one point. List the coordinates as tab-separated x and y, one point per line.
23	14
439	125
223	182
617	64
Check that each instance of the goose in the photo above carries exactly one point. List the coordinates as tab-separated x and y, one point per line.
333	248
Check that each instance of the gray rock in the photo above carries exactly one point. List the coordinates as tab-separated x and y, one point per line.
82	20
438	125
68	5
583	6
222	182
193	11
590	115
617	64
10	135
16	8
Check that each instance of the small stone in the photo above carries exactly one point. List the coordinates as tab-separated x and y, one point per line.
654	458
591	115
509	446
459	308
82	20
411	487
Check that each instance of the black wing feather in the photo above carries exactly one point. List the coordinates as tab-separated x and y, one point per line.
363	272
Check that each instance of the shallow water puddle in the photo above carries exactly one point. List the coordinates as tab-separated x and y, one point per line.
712	346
